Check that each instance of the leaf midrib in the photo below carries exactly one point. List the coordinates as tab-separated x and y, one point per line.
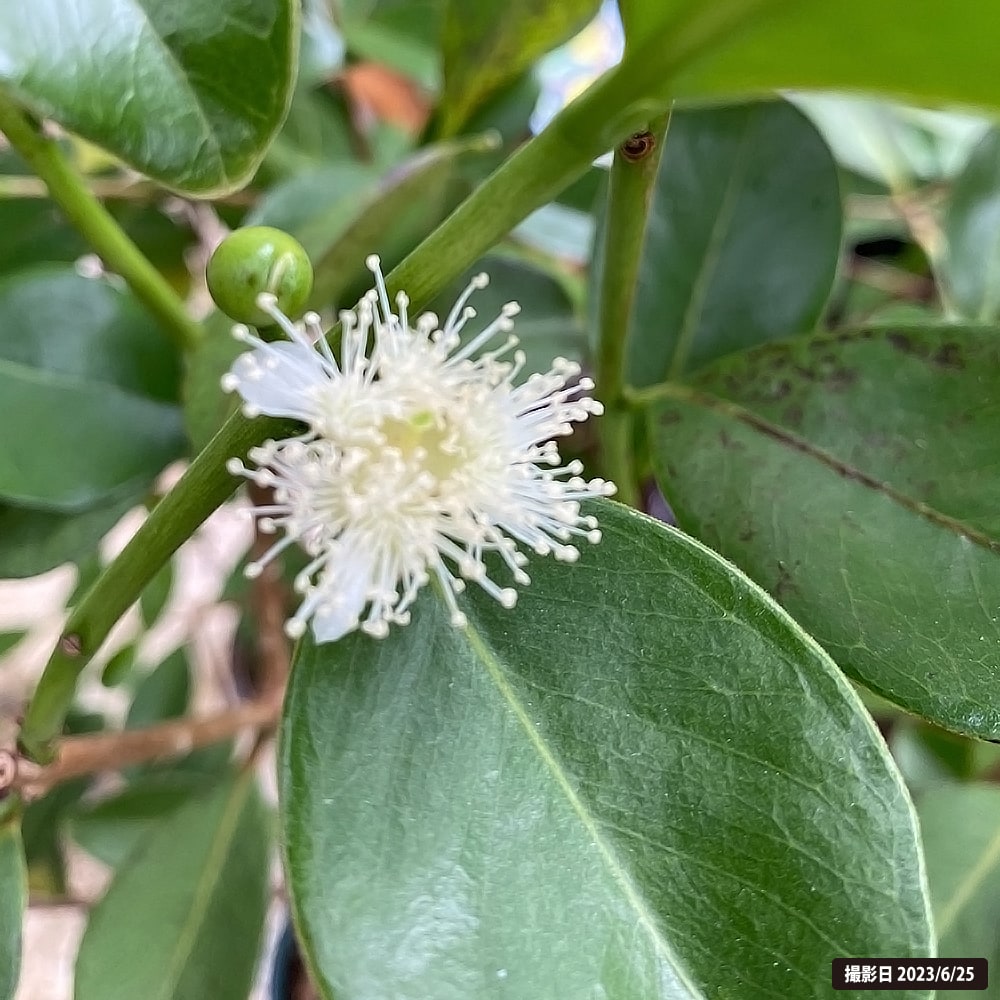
183	78
713	253
202	896
617	870
740	414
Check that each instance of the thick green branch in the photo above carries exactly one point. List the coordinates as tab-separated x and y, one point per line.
633	177
68	190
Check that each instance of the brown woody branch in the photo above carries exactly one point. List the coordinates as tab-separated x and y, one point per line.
77	756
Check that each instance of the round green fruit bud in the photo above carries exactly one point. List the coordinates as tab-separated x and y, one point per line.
254	260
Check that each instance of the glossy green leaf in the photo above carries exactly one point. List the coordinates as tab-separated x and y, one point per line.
113	828
961	830
644	781
924	51
969	265
80	362
547	326
559	232
743	238
856	477
487	45
34	541
188	92
183	917
13	900
64	446
54	320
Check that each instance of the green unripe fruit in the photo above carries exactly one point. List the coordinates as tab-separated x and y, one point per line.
254	260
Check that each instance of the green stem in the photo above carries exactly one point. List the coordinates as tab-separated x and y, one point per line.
633	178
207	485
526	181
68	190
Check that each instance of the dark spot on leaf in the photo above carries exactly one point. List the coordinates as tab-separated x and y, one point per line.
793	416
668	417
851	336
906	344
841	378
949	356
728	442
784	586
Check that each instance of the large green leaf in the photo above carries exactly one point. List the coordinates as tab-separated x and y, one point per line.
961	830
86	391
918	50
13	898
114	827
743	238
969	264
857	478
34	541
54	320
188	92
183	917
486	45
644	782
68	445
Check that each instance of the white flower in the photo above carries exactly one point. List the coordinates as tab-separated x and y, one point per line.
417	460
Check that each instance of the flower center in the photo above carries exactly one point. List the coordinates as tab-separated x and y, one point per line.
427	440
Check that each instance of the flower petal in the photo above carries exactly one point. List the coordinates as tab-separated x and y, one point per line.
280	380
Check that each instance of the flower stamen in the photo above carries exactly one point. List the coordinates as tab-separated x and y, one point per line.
421	456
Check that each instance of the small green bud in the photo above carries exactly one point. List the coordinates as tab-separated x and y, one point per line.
255	260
